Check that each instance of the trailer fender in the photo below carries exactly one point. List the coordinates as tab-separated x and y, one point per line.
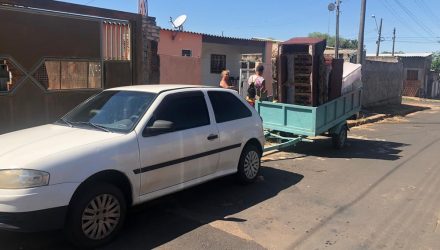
337	129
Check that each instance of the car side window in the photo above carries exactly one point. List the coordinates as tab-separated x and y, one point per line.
185	110
227	107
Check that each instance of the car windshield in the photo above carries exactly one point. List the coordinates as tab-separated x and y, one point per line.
110	111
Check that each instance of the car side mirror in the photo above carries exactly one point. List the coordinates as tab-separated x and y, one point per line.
158	127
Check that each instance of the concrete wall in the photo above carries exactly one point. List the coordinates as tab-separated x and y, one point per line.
233	56
151	64
383	83
422	64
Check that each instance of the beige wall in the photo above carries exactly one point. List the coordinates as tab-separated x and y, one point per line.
233	56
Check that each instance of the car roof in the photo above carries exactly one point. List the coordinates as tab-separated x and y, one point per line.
158	88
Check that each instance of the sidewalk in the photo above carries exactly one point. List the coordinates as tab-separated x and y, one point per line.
376	114
408	99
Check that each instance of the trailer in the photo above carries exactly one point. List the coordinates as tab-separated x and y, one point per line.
290	124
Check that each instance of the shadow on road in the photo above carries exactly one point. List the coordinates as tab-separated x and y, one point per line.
355	149
160	221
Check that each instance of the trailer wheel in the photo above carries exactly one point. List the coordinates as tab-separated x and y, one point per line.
339	140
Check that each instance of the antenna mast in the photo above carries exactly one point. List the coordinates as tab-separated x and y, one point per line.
143	7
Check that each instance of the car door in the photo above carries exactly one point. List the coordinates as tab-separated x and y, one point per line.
235	123
184	154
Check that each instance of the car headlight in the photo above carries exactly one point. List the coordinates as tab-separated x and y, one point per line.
22	178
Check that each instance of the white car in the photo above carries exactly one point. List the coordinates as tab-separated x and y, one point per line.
120	148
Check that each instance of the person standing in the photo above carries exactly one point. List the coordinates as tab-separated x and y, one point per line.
256	86
225	81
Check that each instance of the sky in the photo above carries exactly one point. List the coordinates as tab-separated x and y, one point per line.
417	22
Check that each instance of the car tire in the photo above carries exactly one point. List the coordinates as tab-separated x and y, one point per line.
339	140
249	164
96	215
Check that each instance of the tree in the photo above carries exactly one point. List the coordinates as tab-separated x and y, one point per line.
396	52
331	40
436	61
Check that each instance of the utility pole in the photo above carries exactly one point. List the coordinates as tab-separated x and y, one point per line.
394	40
379	38
338	3
360	52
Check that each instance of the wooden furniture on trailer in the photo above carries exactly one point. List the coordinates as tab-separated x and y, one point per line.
300	84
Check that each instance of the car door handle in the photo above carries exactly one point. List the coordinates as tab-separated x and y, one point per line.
212	137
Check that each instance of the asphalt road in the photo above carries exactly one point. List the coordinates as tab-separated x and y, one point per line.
381	192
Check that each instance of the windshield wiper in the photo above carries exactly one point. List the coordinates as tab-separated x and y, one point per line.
93	125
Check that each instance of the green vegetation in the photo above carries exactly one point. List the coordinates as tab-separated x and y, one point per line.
396	52
331	40
436	61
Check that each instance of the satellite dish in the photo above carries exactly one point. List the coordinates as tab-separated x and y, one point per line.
331	7
178	22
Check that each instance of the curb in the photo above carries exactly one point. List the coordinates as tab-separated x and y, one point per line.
380	117
418	99
371	119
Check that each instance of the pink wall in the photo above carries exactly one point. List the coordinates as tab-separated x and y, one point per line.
175	68
182	40
180	70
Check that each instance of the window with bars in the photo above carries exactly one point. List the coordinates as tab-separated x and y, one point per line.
218	63
116	39
63	75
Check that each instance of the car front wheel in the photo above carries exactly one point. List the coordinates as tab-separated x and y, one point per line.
96	215
249	164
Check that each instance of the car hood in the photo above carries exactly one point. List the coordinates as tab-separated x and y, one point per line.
19	148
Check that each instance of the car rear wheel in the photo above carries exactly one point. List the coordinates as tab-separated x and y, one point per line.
96	216
249	164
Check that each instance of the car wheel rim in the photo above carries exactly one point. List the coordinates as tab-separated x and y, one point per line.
251	164
101	217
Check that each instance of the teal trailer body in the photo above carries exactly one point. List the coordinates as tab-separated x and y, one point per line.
305	121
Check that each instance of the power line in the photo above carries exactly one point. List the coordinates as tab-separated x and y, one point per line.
413	37
403	41
414	18
424	7
396	16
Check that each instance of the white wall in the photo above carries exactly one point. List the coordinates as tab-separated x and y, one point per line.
233	56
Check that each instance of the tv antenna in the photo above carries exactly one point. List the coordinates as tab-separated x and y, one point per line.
178	22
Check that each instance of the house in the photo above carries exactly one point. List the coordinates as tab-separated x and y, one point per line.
349	55
416	71
58	54
198	58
